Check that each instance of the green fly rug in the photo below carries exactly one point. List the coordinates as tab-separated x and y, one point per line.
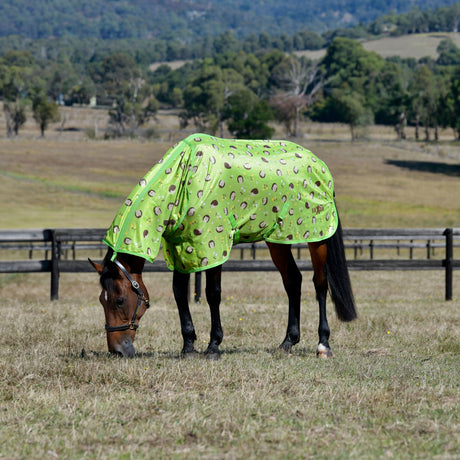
208	194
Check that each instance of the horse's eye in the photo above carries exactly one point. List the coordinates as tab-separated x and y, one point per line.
120	301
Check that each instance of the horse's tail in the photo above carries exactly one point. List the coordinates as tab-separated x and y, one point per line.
338	277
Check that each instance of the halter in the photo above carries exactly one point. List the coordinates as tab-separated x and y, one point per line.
140	298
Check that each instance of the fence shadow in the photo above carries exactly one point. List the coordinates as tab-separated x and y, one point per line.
434	167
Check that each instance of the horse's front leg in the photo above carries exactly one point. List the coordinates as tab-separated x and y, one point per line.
213	296
292	280
318	252
180	289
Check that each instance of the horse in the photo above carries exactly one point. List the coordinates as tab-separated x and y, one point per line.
205	196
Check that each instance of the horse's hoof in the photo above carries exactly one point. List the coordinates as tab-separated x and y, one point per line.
212	355
286	347
192	354
323	352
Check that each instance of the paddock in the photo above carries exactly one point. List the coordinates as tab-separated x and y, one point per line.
392	393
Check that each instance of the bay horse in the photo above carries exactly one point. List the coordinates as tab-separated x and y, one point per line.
206	195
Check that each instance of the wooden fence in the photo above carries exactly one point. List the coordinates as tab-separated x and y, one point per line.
66	251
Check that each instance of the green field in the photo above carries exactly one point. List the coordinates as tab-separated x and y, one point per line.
392	390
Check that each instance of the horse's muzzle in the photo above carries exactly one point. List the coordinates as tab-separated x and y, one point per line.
125	348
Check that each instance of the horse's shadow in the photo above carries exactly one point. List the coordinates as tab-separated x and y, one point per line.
199	355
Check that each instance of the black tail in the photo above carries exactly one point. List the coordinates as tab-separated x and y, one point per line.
338	277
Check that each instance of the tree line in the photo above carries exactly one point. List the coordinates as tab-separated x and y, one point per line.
241	91
192	20
173	46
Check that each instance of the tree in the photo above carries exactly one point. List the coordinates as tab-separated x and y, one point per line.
392	89
18	81
299	81
449	53
206	95
124	85
350	108
15	115
45	112
454	101
61	78
425	96
247	116
350	68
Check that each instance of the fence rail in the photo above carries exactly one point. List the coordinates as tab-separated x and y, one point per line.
62	247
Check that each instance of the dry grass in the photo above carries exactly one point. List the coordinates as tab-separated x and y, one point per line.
72	183
408	46
390	392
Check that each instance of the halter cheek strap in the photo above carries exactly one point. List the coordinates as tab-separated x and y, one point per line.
140	298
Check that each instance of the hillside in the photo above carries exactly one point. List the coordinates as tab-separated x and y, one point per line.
406	46
184	20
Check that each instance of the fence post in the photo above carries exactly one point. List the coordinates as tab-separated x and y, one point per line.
448	232
54	267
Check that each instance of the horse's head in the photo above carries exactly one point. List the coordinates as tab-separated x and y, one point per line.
124	298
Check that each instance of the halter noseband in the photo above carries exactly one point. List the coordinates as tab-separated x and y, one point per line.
140	298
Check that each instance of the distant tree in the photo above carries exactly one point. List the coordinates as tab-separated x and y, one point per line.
299	81
18	80
82	92
454	17
453	102
449	53
60	78
392	89
425	95
204	99
308	40
349	66
247	116
45	112
205	95
15	116
226	42
351	110
125	86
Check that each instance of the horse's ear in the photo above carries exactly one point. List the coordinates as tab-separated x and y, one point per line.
97	267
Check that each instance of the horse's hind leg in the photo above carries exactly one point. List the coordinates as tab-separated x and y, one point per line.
213	296
180	289
292	280
318	252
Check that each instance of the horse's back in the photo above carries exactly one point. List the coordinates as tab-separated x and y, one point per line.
246	190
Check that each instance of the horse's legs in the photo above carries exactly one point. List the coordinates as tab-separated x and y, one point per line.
292	280
213	296
318	252
180	289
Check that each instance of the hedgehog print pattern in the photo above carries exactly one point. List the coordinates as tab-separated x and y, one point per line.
207	194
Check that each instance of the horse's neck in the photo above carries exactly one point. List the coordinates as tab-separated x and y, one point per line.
135	263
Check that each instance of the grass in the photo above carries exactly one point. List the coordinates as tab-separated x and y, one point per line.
70	183
407	46
391	391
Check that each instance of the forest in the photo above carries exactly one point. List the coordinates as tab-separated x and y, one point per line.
241	84
187	20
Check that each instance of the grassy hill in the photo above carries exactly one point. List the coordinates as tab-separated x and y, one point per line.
407	46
